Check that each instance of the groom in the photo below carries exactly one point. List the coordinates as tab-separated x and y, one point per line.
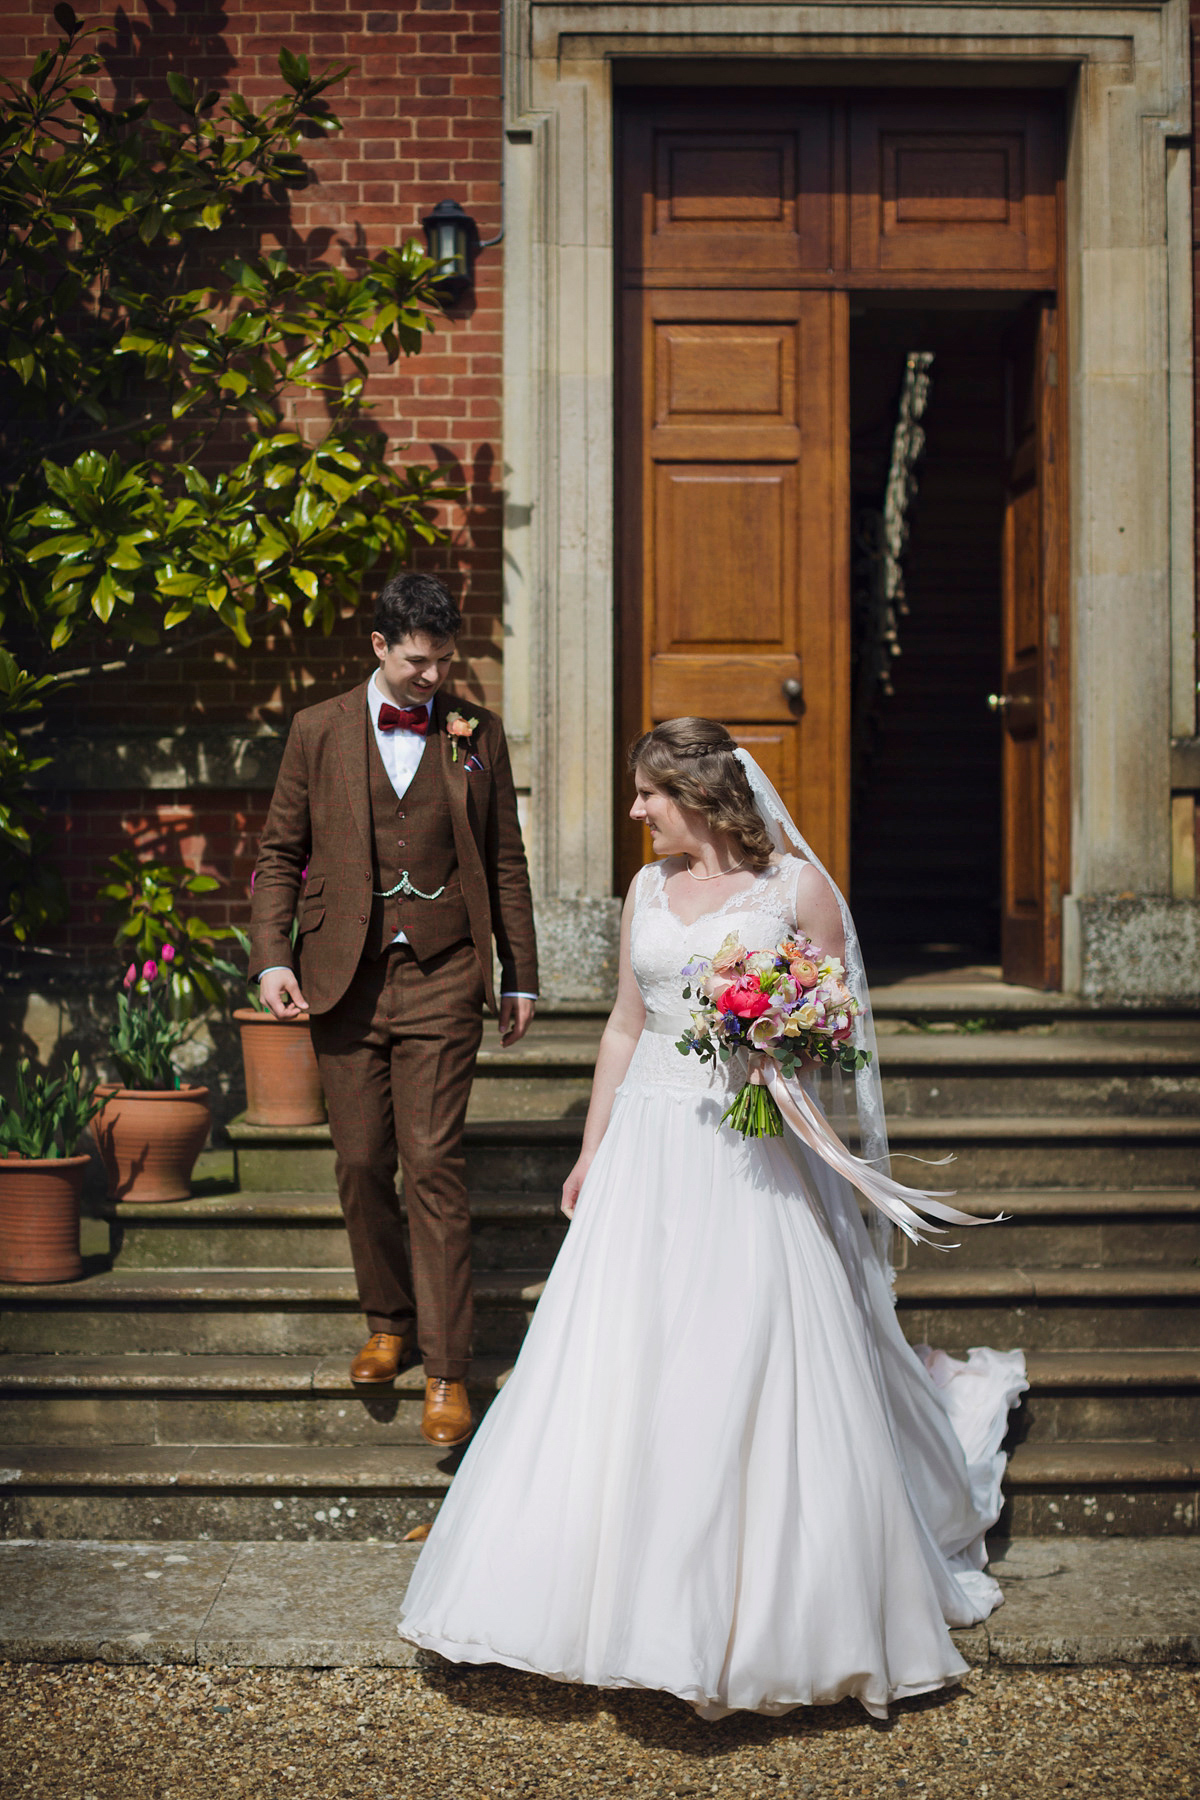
400	800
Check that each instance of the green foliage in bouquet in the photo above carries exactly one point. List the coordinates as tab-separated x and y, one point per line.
148	480
46	1118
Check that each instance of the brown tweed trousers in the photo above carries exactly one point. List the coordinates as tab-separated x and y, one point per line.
396	1036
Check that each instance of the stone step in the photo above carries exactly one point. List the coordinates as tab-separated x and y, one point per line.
198	1399
1078	1395
1102	1489
192	1399
1030	1151
239	1311
305	1230
381	1492
1025	1150
261	1230
967	996
570	1042
934	1074
1016	1073
222	1610
294	1311
1065	1227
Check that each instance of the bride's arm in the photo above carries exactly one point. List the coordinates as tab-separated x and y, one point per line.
819	917
817	912
620	1038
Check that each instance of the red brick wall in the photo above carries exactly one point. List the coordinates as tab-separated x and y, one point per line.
215	833
421	108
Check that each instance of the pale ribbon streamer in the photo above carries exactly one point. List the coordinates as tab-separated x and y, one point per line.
897	1202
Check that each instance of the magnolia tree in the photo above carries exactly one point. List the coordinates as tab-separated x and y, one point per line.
149	481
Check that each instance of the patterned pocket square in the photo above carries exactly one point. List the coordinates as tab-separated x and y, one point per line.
474	766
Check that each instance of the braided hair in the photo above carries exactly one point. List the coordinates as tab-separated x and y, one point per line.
692	760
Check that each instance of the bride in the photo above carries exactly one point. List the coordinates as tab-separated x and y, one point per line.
718	1469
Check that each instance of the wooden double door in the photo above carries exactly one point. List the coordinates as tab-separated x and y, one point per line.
749	220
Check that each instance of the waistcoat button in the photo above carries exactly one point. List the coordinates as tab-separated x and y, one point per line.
362	918
400	843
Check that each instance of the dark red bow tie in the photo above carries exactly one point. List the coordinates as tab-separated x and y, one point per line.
404	718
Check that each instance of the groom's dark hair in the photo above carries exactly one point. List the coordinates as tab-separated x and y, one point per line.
412	604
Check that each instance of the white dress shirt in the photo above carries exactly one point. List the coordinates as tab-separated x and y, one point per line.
401	752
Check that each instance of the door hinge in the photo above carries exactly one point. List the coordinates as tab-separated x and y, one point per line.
1052	631
1052	369
1055	898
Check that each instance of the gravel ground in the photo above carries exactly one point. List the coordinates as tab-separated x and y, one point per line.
91	1732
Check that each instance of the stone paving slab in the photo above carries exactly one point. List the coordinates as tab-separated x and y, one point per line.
1099	1601
113	1603
1075	1602
311	1606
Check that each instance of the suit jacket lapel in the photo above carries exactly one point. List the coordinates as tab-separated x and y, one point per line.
353	726
454	773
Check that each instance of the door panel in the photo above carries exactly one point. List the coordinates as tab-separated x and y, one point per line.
744	531
726	185
1033	693
725	555
965	185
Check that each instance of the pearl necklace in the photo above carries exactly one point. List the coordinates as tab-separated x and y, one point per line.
730	871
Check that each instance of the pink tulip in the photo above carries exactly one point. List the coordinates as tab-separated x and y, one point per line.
149	969
167	953
130	977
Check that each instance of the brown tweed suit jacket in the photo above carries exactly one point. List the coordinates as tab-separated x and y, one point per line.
321	815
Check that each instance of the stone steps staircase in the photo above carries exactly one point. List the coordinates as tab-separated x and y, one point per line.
194	1384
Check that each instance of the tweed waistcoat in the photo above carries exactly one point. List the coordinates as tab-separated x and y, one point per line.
414	834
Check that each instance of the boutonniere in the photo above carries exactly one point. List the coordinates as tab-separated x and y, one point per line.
457	727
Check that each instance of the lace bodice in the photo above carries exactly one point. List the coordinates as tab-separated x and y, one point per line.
661	943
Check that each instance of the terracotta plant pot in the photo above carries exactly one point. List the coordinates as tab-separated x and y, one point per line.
283	1084
39	1217
149	1140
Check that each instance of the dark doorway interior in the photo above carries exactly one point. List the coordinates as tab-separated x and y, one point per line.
926	820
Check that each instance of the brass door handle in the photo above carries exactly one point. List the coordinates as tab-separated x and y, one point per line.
793	690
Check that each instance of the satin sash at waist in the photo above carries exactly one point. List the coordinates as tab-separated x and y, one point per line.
664	1026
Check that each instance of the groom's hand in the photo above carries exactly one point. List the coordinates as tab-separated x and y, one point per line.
280	993
516	1016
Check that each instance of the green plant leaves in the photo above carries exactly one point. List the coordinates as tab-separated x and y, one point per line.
132	341
47	1118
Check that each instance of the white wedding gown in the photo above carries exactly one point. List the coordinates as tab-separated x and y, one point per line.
718	1469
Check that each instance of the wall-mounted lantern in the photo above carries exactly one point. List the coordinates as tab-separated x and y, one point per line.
453	240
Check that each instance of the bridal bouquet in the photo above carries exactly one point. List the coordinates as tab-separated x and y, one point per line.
786	1003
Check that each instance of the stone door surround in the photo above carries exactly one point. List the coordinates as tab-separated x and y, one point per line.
1127	280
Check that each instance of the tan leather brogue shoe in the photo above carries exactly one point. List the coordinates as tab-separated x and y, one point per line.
447	1417
381	1358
